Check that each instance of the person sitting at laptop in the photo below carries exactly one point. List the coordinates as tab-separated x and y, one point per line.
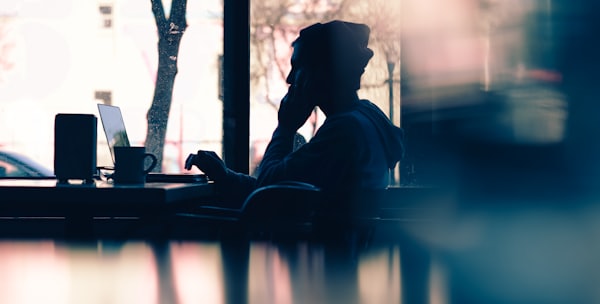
356	146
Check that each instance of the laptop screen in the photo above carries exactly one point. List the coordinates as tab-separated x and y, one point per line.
116	136
114	127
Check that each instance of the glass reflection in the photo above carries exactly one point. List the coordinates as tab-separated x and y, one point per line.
39	267
49	272
379	276
196	272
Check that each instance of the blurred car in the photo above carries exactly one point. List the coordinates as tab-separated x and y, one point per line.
17	165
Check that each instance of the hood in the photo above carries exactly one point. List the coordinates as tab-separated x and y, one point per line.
392	136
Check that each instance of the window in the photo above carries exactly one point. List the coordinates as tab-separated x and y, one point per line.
431	59
62	56
65	56
275	24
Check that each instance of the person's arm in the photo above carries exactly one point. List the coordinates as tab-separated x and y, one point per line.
295	108
331	152
235	188
315	162
281	145
232	188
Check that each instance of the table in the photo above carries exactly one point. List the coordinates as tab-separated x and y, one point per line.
79	204
502	250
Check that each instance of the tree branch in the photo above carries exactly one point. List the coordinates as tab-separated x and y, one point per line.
178	9
159	15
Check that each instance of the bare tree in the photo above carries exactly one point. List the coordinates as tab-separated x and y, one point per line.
269	25
275	24
384	19
170	31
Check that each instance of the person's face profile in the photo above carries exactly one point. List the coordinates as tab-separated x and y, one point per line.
291	78
302	69
295	65
307	75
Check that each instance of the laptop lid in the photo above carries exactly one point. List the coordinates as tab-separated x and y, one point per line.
116	136
114	127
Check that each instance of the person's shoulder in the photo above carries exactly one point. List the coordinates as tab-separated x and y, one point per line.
367	105
342	127
345	121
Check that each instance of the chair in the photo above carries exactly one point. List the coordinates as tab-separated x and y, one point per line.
284	209
296	210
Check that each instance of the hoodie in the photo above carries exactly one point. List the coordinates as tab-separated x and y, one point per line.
391	136
350	153
353	150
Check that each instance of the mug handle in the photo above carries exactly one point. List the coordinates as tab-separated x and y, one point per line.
153	164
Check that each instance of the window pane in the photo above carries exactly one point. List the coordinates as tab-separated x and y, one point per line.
275	24
66	56
455	54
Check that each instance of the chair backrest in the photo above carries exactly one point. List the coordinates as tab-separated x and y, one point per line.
282	206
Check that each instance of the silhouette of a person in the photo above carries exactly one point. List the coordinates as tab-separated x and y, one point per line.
355	147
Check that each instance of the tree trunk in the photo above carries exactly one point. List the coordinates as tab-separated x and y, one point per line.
170	32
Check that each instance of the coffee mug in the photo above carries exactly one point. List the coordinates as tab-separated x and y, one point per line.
130	163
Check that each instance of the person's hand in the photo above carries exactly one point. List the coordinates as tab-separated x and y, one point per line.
298	104
209	162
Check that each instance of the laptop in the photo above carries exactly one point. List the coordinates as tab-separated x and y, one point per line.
116	136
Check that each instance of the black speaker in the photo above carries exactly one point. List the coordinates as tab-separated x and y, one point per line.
75	146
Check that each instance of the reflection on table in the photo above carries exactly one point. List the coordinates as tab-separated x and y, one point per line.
198	272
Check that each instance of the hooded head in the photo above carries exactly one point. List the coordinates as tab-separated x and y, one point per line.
335	54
